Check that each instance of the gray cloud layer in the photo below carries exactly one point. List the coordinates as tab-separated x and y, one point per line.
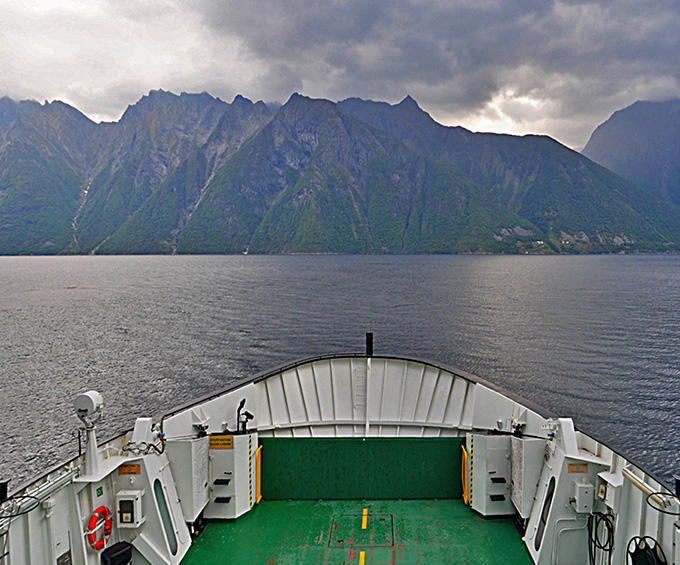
525	66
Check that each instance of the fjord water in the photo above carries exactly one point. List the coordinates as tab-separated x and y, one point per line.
592	337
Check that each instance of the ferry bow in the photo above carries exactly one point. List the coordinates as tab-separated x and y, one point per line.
342	427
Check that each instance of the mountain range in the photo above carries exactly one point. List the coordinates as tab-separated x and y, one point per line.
642	144
190	173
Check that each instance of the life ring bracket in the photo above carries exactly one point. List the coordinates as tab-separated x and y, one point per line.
101	517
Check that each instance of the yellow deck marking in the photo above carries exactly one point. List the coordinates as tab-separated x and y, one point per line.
364	520
362	557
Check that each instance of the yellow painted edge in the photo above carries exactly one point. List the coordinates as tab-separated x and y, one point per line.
250	470
464	475
362	557
364	519
258	475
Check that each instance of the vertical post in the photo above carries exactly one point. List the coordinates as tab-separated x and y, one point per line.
91	452
368	387
369	354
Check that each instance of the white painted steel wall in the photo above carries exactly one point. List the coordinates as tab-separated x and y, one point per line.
383	397
360	397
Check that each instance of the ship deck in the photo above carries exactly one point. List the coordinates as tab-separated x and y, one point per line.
370	532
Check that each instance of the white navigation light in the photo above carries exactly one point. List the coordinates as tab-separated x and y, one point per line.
89	409
88	403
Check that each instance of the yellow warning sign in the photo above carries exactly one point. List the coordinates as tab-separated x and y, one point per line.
221	442
577	468
130	469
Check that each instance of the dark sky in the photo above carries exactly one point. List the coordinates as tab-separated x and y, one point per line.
533	66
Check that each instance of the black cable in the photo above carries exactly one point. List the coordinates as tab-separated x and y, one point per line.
144	447
596	522
155	447
18	498
658	508
77	435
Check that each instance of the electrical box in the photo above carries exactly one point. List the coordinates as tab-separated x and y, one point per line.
613	485
233	475
129	508
584	494
189	461
489	472
527	464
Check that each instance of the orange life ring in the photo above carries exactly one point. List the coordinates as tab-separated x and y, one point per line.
101	513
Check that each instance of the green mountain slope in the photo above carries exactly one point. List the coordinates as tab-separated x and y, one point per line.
152	139
316	180
578	205
156	225
42	177
153	227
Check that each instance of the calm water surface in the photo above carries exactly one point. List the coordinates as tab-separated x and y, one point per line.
594	338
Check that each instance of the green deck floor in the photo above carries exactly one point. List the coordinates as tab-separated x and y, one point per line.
331	532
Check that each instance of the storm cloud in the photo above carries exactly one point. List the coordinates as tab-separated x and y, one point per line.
533	66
